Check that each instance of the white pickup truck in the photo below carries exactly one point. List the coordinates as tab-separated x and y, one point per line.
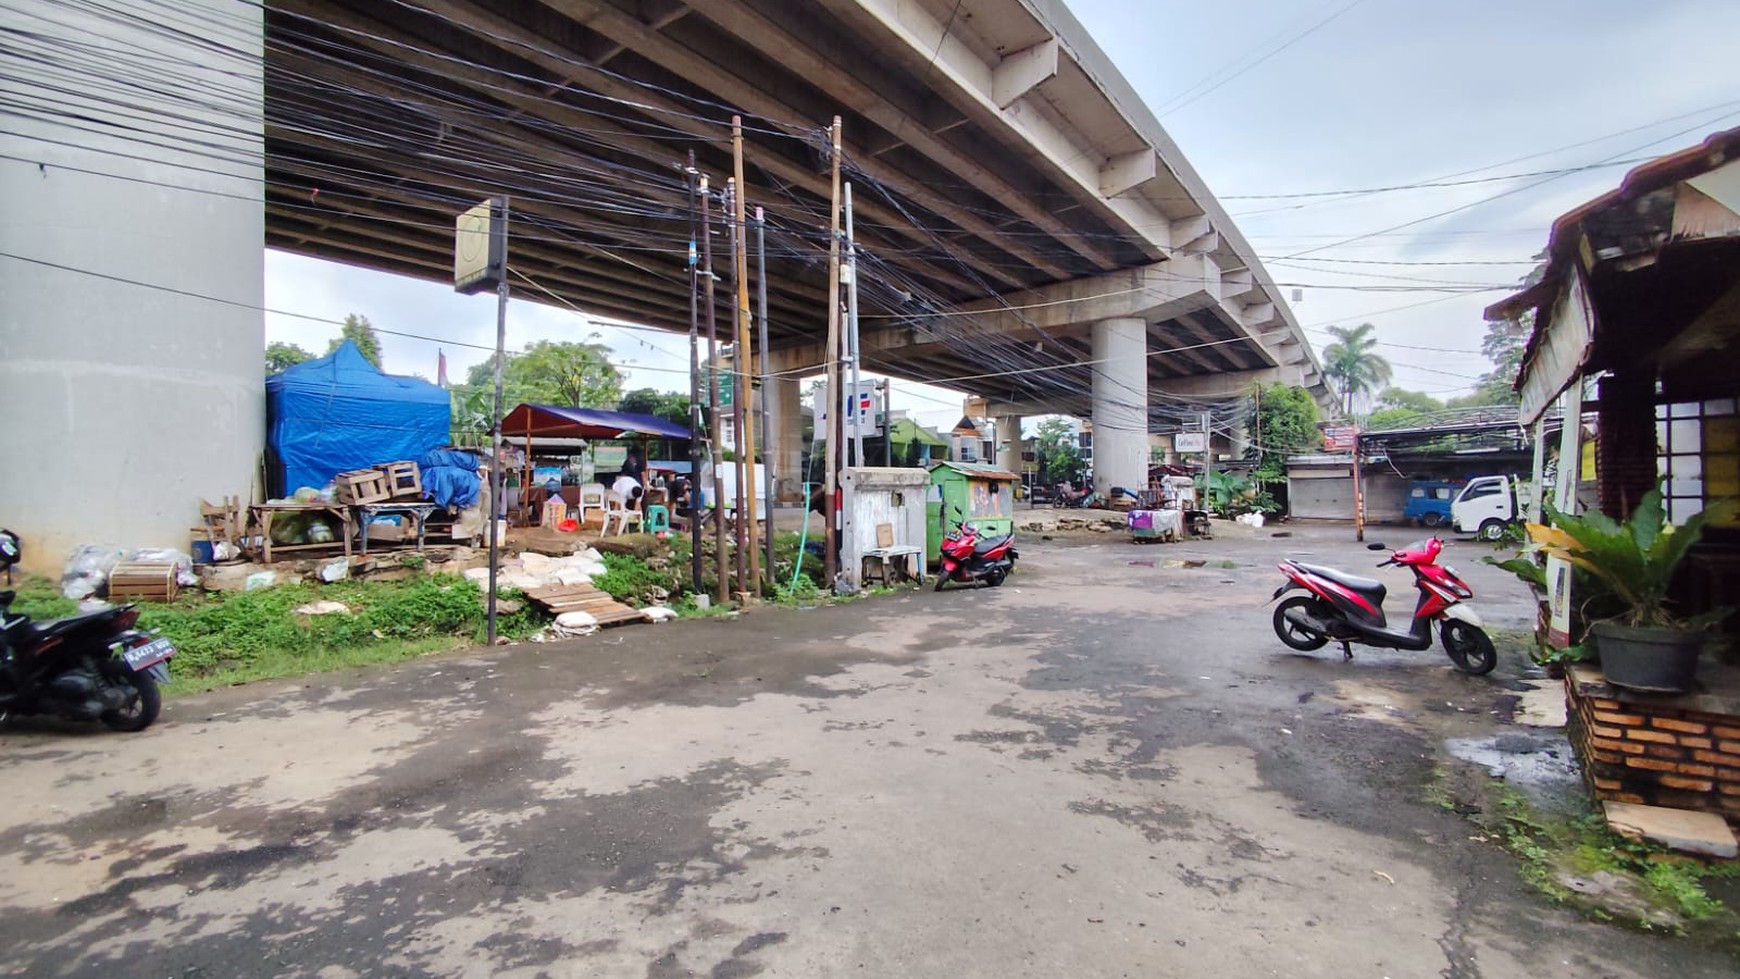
1488	504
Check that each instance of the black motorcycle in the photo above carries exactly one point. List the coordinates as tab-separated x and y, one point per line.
92	667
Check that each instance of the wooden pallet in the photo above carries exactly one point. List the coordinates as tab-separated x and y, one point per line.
557	599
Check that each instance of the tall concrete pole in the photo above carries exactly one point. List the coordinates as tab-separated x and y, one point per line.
831	459
695	431
720	551
740	541
495	467
766	418
851	415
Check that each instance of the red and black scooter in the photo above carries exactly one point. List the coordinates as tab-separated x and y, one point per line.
1344	608
968	558
91	667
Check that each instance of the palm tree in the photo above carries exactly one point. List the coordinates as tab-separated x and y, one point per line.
1350	363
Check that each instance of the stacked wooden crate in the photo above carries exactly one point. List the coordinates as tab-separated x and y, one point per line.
148	581
361	486
404	480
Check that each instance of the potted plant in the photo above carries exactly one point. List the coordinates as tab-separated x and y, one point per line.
1647	644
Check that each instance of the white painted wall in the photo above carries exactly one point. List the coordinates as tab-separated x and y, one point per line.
123	403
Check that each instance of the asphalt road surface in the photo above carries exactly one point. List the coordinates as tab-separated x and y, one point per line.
1107	767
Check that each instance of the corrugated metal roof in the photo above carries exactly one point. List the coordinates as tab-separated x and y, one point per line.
976	469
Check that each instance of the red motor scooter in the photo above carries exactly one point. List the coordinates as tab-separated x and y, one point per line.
1347	609
966	557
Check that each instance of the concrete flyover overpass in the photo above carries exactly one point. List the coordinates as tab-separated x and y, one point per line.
1001	164
1029	232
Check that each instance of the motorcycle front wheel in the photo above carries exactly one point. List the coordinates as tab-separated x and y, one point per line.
1469	646
1294	635
141	709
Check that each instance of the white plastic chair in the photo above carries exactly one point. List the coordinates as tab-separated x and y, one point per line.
592	498
615	509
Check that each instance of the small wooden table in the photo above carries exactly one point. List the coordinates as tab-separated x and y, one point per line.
418	512
264	513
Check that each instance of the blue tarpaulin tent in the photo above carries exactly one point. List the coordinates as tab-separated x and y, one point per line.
340	412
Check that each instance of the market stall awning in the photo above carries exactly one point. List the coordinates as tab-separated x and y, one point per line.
555	421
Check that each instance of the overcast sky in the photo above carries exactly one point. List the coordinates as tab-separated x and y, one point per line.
1275	97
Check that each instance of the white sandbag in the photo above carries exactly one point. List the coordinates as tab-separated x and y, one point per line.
658	613
577	620
573	576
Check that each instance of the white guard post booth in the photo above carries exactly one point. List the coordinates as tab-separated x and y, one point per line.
884	530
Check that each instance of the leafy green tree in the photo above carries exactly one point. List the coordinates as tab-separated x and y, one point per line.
1416	401
1056	451
1282	423
358	330
548	372
1352	366
282	356
672	406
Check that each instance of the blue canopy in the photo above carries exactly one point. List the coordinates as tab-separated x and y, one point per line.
554	421
340	412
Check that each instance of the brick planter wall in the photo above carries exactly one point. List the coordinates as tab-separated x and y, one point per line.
1680	752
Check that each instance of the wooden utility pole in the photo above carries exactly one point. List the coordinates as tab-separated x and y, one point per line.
1358	493
831	541
720	549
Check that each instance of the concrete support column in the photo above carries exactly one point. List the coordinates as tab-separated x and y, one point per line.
130	365
1120	410
1008	445
785	437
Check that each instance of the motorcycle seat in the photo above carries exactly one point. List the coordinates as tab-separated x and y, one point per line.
60	627
990	544
1373	589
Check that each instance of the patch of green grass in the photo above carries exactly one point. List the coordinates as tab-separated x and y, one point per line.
40	598
223	639
1438	792
1550	849
275	665
633	581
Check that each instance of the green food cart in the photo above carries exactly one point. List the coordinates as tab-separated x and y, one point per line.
981	494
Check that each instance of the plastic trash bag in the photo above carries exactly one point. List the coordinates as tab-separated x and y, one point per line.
87	571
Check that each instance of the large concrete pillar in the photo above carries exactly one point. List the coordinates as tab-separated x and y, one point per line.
1120	410
131	334
1008	445
785	437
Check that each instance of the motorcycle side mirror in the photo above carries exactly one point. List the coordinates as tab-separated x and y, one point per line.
1377	547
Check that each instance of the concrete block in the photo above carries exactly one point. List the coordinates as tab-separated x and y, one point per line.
1691	832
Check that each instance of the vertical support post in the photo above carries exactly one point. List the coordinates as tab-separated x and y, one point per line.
766	414
745	369
1207	461
1537	473
852	333
694	514
495	467
1358	492
723	589
741	466
830	552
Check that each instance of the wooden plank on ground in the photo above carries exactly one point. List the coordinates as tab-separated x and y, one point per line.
587	598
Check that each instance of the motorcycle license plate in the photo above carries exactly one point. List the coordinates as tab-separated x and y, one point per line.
138	658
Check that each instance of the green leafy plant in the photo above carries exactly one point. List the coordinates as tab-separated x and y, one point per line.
1635	561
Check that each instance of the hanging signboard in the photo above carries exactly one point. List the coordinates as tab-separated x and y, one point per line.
867	418
480	247
1339	439
1190	442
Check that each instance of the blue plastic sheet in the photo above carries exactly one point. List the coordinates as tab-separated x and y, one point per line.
339	413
